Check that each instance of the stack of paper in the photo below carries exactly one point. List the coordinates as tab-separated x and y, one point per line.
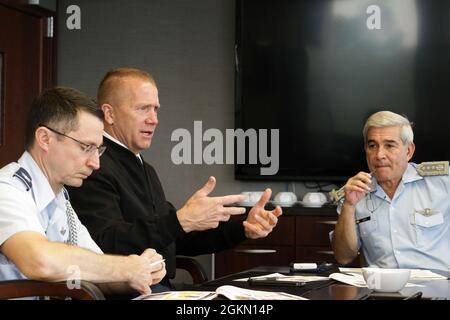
353	276
353	279
416	274
419	274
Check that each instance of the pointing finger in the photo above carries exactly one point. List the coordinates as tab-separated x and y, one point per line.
264	198
226	200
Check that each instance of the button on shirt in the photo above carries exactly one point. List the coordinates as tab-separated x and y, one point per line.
37	209
410	231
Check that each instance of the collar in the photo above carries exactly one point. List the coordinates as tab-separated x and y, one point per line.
410	175
107	135
42	191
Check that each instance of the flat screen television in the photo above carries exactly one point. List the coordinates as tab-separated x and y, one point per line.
316	69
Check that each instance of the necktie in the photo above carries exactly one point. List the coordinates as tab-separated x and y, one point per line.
71	221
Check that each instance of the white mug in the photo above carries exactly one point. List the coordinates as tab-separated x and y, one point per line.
286	197
315	198
252	196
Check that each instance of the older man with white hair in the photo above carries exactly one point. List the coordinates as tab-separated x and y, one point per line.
399	213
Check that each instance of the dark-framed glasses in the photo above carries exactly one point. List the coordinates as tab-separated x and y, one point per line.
88	149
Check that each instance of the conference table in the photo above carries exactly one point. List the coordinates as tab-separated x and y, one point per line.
333	290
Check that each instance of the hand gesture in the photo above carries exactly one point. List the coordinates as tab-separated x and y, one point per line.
260	222
202	212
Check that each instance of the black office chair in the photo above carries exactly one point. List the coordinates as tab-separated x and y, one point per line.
14	289
193	267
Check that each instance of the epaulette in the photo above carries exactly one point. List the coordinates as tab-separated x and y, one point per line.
434	168
24	177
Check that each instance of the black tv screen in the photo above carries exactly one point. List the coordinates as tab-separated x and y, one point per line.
316	69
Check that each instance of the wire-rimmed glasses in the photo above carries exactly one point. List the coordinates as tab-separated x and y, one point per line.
88	149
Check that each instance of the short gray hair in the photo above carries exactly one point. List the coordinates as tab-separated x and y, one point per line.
383	119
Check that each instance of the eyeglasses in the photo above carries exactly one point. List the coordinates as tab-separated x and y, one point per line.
370	196
88	149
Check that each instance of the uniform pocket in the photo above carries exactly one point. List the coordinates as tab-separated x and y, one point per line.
428	228
428	221
367	227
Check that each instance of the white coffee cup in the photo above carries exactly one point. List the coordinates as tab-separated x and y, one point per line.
252	197
285	197
314	198
386	280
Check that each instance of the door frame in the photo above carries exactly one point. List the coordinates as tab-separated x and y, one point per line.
46	71
48	67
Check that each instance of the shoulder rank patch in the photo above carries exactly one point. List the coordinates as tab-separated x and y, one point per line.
25	177
435	168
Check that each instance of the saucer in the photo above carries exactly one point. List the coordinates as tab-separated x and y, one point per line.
283	204
311	205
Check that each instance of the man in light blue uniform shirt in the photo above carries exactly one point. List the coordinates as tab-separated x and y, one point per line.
29	204
41	237
398	214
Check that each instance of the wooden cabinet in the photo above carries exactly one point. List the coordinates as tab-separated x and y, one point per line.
302	235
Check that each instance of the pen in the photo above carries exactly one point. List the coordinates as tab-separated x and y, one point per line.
157	262
417	295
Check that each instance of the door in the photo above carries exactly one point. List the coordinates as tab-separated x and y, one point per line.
26	67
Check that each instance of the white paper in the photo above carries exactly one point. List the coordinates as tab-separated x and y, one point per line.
352	270
416	274
179	295
353	279
419	274
357	280
235	293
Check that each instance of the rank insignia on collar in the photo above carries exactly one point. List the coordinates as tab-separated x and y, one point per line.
25	177
435	168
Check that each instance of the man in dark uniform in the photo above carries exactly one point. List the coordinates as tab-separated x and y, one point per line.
123	204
